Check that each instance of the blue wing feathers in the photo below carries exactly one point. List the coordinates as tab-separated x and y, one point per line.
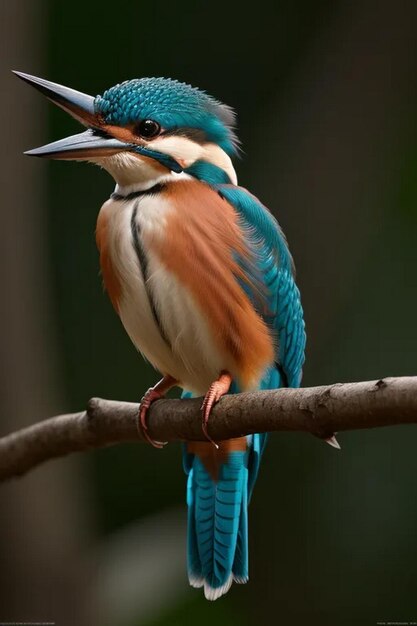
274	263
217	519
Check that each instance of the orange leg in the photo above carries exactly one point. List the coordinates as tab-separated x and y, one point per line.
153	393
217	389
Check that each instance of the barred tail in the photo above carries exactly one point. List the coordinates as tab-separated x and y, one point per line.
217	524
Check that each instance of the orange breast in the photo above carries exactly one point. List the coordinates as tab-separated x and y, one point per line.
110	278
202	239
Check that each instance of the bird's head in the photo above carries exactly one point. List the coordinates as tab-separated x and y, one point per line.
144	130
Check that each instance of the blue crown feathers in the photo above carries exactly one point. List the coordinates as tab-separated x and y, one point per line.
173	105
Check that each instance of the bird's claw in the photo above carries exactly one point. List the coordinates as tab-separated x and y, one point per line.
209	401
217	389
150	396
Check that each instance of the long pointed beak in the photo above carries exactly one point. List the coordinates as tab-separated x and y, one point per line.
93	143
89	144
84	145
77	104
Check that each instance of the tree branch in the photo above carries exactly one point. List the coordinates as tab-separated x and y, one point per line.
320	411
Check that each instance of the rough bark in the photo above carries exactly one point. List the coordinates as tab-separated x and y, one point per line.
320	411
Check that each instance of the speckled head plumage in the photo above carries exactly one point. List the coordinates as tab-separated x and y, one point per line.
174	105
146	128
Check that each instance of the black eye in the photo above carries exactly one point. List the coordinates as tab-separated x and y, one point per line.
147	129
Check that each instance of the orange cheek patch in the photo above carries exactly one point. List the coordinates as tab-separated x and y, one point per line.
126	134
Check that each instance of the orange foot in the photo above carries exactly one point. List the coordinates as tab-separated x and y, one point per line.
153	393
217	389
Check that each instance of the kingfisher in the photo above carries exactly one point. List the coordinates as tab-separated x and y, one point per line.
200	274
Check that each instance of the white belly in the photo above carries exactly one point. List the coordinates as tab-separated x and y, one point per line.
159	314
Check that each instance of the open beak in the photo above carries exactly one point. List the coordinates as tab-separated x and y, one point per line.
86	145
94	142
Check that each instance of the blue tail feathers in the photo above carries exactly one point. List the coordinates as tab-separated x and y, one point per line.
217	524
217	542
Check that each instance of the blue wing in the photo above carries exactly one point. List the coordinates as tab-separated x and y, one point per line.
274	265
284	313
217	509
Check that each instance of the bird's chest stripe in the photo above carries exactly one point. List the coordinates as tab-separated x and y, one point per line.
134	195
143	265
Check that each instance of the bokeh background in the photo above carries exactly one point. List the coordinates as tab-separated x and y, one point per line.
326	94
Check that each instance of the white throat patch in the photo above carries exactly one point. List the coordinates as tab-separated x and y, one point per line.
129	169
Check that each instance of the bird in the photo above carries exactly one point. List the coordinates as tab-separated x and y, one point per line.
200	273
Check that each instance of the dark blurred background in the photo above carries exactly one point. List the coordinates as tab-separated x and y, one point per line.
326	95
